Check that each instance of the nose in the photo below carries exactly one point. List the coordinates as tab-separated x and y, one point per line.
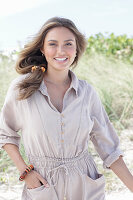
60	50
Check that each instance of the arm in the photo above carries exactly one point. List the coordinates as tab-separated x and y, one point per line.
10	124
32	179
120	169
106	142
13	152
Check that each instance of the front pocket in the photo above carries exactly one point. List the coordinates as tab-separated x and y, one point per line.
99	180
94	188
42	193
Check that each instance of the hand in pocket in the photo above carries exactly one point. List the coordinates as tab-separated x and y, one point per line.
35	180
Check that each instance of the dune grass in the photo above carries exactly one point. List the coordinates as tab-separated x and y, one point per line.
7	74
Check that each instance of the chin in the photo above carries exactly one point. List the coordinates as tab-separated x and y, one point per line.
61	67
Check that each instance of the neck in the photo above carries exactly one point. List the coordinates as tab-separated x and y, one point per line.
57	78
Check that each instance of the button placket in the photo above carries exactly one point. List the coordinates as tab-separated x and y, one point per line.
62	129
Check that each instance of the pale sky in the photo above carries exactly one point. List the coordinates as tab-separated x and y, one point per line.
13	7
19	20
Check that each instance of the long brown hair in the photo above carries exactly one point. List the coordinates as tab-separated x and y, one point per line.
31	55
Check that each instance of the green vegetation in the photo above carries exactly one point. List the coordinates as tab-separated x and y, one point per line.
7	74
107	65
120	47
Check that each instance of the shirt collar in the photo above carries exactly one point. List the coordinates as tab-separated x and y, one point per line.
74	84
43	88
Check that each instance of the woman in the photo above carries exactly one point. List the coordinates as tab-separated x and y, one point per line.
57	115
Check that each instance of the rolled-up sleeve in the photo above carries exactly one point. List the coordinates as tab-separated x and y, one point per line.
9	118
103	135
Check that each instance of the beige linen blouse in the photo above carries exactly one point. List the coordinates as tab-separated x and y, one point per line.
57	143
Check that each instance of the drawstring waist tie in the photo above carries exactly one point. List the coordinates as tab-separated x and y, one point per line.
53	166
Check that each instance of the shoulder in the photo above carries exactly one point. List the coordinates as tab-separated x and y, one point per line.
83	86
89	88
17	80
91	93
12	89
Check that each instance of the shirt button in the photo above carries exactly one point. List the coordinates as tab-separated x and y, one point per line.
62	132
62	115
62	140
62	124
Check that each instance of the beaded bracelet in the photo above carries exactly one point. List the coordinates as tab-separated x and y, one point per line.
26	171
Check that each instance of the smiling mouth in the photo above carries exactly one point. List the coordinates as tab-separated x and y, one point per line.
61	59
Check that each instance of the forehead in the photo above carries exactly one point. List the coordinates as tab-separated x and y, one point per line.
60	33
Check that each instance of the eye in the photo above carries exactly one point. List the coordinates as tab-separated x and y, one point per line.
52	44
68	44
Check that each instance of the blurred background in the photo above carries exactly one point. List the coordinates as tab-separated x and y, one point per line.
22	19
107	64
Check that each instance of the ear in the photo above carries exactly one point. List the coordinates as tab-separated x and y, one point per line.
42	51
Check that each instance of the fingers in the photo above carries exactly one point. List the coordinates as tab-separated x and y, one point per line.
34	180
33	185
43	181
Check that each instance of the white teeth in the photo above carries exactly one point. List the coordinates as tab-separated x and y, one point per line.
60	59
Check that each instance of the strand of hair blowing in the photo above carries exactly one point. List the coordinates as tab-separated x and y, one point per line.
23	66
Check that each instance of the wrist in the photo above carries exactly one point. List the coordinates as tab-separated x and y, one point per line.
22	168
27	170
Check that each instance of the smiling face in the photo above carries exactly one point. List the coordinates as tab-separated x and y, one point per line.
59	48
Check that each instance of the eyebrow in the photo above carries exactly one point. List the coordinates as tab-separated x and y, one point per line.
64	40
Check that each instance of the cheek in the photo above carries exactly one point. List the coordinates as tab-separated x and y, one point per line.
49	53
72	51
